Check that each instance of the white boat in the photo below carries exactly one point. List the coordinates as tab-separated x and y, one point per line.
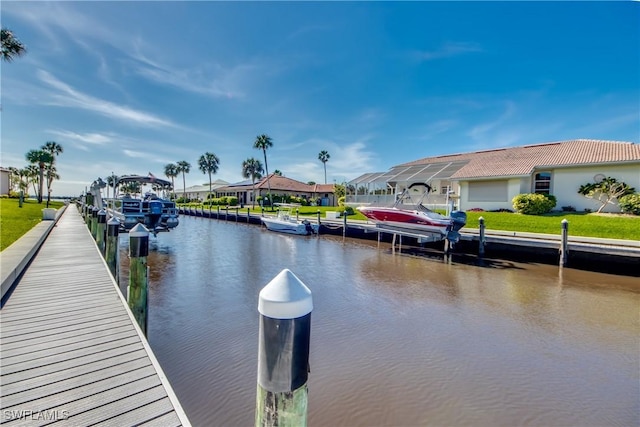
286	221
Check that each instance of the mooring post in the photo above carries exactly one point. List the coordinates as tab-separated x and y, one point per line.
481	241
248	214
285	306
318	218
113	228
87	216
344	224
237	213
297	215
218	212
101	229
138	280
564	251
94	222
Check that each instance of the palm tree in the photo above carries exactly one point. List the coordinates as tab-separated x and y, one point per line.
324	156
263	142
41	158
171	171
31	175
208	163
54	149
277	172
252	168
11	46
184	167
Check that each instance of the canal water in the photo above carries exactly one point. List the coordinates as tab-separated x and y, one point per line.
396	340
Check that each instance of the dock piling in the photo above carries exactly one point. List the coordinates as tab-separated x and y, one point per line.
94	222
248	215
285	306
101	229
113	228
138	274
318	218
344	224
481	239
564	252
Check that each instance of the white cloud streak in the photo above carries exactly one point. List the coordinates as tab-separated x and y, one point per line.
71	98
448	50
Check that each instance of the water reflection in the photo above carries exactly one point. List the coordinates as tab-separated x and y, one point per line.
396	339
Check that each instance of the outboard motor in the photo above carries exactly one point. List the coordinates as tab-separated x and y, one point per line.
155	213
458	220
308	227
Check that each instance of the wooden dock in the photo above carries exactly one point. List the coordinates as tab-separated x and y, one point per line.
70	350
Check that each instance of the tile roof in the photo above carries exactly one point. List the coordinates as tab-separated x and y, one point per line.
519	161
283	183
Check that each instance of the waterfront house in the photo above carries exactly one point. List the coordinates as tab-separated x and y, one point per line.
5	178
200	192
280	186
490	179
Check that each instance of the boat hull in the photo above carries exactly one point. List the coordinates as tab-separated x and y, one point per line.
290	227
414	221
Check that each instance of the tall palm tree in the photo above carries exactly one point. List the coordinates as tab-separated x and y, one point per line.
41	158
252	168
208	163
55	150
263	142
184	167
171	171
324	156
11	46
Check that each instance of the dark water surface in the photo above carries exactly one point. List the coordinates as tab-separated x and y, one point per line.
395	339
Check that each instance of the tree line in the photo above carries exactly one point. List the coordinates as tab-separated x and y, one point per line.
41	170
252	168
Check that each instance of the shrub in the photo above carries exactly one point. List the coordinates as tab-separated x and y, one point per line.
341	200
475	210
568	209
630	203
346	210
534	204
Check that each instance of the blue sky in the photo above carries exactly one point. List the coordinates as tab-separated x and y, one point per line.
127	87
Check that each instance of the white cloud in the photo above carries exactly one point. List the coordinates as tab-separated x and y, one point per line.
71	98
447	50
89	138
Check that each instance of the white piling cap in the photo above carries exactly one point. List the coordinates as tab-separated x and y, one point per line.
139	231
285	297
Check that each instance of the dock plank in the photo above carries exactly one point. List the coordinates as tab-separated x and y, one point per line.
70	351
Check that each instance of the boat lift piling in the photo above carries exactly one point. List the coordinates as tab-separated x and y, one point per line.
285	306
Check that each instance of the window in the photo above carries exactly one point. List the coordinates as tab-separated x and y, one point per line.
542	183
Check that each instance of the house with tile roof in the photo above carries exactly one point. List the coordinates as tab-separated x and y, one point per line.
490	179
280	185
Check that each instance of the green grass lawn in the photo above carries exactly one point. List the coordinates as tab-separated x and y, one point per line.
609	226
16	221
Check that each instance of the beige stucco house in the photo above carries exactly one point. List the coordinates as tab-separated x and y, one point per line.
280	185
490	179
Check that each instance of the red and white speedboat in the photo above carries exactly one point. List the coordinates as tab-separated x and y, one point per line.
416	218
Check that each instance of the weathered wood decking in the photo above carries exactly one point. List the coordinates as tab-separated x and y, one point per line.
69	348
